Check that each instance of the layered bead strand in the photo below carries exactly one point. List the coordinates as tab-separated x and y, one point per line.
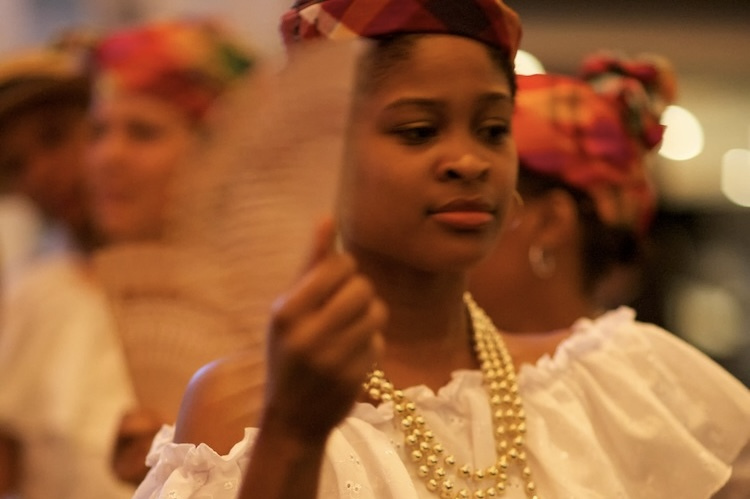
437	467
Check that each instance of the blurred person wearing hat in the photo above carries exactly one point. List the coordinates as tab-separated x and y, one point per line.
44	96
72	405
43	100
575	250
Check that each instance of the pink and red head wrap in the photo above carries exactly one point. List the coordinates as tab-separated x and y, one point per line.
188	63
595	135
488	21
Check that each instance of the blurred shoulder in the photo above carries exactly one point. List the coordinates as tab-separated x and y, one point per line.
222	399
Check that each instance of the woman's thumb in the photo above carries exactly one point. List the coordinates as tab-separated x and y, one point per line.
323	243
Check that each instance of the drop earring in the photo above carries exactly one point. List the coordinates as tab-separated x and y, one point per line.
516	211
542	262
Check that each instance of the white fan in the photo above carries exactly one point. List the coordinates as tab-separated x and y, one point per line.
242	218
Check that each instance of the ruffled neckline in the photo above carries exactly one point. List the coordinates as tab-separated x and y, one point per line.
587	335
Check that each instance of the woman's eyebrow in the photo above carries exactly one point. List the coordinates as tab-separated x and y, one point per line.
435	105
418	102
495	98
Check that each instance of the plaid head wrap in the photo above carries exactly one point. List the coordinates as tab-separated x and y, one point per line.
595	135
488	21
188	63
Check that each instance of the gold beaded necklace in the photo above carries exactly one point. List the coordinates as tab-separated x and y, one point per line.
434	464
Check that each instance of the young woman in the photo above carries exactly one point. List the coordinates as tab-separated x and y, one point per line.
428	181
583	147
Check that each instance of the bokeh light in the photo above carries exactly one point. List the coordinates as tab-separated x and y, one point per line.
527	64
709	317
735	176
683	138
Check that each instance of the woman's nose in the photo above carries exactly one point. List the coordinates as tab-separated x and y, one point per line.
467	168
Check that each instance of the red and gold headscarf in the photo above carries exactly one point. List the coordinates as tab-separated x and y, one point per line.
187	62
489	21
595	135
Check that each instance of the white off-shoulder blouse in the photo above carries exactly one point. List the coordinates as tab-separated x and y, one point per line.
622	410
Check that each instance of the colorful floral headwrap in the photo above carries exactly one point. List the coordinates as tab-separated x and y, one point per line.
488	21
595	135
188	63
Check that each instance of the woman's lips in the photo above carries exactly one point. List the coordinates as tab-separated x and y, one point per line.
464	214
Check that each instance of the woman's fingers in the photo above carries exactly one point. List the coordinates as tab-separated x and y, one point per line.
360	346
320	371
351	346
324	338
348	304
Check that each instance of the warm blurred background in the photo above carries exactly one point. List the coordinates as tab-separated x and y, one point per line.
698	284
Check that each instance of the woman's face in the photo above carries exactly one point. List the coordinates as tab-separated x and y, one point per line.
50	146
137	142
431	165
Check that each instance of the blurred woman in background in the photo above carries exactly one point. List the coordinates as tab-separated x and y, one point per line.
155	87
588	197
68	398
575	250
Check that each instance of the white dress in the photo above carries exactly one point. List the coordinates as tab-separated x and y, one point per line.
63	382
622	410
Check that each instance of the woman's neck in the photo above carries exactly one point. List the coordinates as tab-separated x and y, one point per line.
428	332
537	306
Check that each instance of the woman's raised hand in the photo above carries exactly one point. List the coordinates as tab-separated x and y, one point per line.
324	337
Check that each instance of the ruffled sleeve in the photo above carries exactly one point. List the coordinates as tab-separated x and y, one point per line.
658	418
181	470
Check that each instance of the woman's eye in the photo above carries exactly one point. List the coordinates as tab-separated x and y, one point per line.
494	133
416	134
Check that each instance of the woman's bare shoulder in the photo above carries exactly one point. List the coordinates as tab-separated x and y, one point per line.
222	399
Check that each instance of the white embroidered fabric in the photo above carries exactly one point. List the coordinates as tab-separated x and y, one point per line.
622	410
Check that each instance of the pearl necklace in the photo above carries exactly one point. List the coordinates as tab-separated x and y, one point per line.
434	464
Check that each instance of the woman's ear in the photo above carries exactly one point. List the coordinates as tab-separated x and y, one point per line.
556	219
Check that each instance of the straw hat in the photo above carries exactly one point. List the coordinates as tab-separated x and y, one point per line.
40	77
